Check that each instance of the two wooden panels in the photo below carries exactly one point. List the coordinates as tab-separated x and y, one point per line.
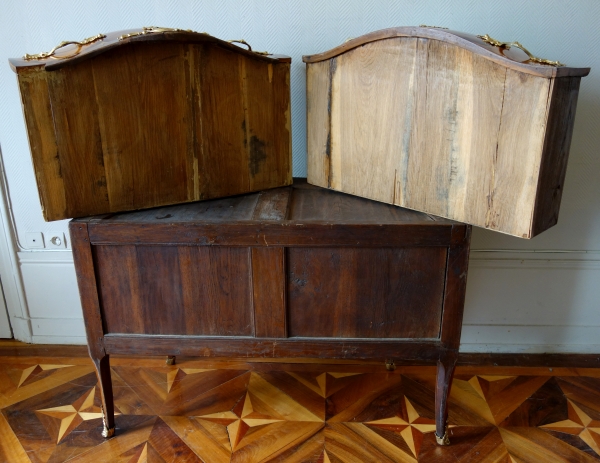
432	126
154	123
271	292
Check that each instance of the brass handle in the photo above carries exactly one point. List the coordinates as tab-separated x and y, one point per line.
154	30
51	53
243	42
496	43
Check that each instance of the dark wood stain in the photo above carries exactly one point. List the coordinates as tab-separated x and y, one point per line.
365	292
289	272
556	152
258	155
156	122
206	291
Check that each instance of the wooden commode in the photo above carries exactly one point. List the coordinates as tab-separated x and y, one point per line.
297	271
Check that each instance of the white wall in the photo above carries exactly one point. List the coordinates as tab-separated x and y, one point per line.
525	296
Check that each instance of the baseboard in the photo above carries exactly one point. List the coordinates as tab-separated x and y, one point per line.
530	339
58	328
77	341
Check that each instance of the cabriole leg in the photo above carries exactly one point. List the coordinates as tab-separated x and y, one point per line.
445	371
108	412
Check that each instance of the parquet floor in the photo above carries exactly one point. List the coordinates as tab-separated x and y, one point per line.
220	411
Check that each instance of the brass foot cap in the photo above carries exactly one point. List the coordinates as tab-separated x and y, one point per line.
170	360
108	432
390	365
443	440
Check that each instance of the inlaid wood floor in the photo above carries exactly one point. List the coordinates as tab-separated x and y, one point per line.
221	411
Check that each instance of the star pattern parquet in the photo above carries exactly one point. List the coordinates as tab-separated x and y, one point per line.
222	411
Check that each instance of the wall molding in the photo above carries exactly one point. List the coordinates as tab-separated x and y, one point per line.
55	316
12	283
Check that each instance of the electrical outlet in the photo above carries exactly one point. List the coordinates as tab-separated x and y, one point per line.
56	240
34	240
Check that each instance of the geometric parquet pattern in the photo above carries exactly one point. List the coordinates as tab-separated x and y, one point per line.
222	411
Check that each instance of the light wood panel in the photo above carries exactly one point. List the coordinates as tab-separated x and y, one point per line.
513	57
318	113
432	126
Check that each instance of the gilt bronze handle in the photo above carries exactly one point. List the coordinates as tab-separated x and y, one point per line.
51	53
496	43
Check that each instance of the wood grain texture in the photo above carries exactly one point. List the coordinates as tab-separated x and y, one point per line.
75	117
160	122
128	111
272	234
88	289
200	410
445	373
428	125
564	364
126	344
273	204
318	112
268	282
556	146
33	86
512	57
365	293
455	288
360	280
206	291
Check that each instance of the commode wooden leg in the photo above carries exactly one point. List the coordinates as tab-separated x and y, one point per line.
108	411
445	371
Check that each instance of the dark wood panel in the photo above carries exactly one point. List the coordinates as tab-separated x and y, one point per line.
268	281
175	290
365	293
117	272
224	155
233	209
301	202
273	204
271	234
455	290
152	167
88	292
37	111
75	115
266	107
556	152
319	204
156	122
217	287
11	348
270	348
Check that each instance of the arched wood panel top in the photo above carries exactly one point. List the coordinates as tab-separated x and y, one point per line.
122	38
513	58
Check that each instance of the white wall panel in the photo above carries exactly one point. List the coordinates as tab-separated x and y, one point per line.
5	331
50	284
543	296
